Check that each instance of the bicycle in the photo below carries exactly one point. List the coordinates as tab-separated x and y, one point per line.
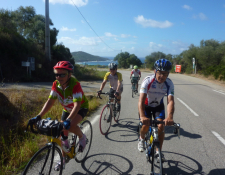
134	81
108	111
152	144
45	159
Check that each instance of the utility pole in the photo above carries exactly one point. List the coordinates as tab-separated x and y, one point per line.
47	31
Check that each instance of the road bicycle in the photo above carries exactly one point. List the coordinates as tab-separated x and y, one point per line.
134	81
152	144
45	159
108	112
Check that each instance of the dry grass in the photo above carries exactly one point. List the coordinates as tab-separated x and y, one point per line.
16	108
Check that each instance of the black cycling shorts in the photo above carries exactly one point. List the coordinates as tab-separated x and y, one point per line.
112	92
157	112
82	112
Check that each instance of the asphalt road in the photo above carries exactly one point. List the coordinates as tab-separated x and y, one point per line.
199	108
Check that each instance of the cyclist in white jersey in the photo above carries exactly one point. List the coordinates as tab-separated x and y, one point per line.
153	89
135	73
115	81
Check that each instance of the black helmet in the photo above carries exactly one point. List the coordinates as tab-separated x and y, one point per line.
163	65
112	66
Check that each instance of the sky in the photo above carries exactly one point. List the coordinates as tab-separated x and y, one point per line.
108	27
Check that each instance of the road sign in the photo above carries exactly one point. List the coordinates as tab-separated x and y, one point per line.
193	60
26	64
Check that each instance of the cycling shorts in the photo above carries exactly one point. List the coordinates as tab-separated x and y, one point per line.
112	92
157	112
82	112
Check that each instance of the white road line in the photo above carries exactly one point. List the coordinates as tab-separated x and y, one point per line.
188	107
220	91
96	118
219	137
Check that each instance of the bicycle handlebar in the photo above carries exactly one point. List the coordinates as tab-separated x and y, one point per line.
104	93
175	125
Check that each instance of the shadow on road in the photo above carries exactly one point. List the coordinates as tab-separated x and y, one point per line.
106	163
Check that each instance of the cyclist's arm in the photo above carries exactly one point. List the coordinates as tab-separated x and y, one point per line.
170	110
48	105
141	109
131	74
75	110
118	86
103	85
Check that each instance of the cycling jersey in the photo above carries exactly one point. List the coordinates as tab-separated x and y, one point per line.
113	79
155	91
72	93
136	73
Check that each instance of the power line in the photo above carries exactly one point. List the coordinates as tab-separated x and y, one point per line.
92	28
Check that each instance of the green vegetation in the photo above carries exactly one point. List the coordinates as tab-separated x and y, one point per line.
22	35
210	59
83	56
125	60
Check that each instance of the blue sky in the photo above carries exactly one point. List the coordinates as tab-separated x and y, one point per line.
139	27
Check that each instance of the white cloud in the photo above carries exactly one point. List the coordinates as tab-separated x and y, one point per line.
201	16
109	34
116	39
124	36
78	3
187	7
66	29
152	23
154	45
85	41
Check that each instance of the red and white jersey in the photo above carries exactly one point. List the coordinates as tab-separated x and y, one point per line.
155	91
136	73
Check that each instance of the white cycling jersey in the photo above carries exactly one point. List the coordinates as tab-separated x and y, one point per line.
135	73
155	91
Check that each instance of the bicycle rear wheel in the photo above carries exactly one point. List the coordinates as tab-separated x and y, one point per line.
86	128
156	163
44	161
105	121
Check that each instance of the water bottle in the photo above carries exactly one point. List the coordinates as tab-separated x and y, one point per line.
65	145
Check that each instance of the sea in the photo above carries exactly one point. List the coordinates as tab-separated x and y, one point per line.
102	63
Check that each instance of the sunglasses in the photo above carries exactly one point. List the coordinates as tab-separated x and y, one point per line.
60	75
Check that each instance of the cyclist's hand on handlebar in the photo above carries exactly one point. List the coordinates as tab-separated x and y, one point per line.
116	94
35	119
66	124
145	121
168	121
99	91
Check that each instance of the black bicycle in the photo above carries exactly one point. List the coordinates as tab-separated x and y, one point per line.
108	112
134	81
152	144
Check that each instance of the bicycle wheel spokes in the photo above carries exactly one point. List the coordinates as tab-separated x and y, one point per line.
41	162
156	163
116	117
86	128
105	120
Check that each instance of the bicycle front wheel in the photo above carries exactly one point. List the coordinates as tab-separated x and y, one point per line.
156	164
105	120
86	128
116	116
44	161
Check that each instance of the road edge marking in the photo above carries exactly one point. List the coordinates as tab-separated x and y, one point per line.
218	137
188	107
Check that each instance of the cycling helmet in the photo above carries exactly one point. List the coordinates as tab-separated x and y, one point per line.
64	65
135	67
112	66
163	65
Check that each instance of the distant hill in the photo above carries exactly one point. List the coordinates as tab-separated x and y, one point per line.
83	56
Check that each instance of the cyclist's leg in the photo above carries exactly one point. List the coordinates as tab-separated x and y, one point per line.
119	99
159	114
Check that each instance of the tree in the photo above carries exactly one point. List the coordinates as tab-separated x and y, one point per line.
150	59
125	60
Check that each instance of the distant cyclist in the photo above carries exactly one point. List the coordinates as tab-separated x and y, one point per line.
153	89
68	91
115	81
135	73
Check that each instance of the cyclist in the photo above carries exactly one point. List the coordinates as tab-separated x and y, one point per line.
115	80
68	91
135	73
153	89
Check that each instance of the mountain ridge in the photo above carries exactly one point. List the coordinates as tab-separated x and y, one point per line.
81	56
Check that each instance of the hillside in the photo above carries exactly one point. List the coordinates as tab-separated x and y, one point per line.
83	56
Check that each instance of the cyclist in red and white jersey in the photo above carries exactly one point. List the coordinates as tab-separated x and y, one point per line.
68	91
135	73
153	89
